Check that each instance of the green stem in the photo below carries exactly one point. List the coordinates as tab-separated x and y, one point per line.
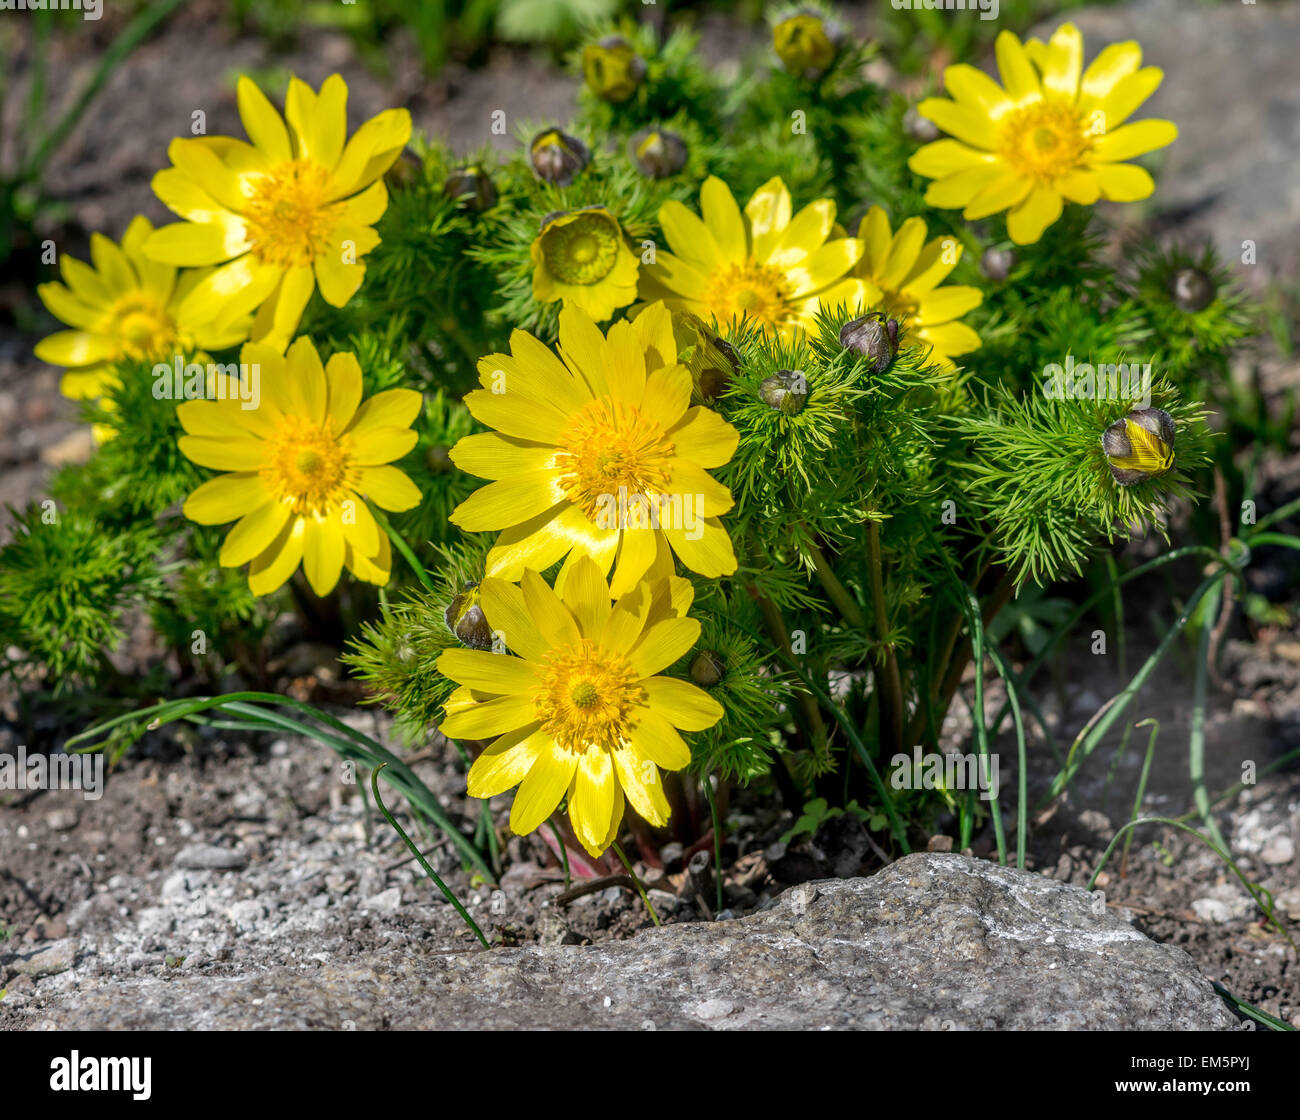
717	838
654	917
428	869
1141	789
564	852
402	547
888	680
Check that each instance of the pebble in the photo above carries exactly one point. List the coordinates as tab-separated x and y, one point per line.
208	857
385	902
61	820
1278	851
50	961
1212	910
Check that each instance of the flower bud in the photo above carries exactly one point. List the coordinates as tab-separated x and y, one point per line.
1191	290
466	620
438	458
807	43
1139	446
612	68
557	157
471	188
920	128
712	361
656	153
997	264
874	337
405	170
708	668
785	391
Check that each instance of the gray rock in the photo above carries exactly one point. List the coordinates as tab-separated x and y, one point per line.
208	857
54	958
1230	175
933	941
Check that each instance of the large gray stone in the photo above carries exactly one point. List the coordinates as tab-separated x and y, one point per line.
934	941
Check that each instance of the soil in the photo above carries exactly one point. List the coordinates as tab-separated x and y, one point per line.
321	876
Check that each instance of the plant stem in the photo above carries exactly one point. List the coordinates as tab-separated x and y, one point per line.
428	870
654	917
888	682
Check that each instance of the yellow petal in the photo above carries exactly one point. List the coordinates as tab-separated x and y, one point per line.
945	304
591	798
690	239
586	594
823	267
371	151
225	498
238	287
388	488
709	554
904	250
491	717
636	552
1025	223
965	123
376	446
253	533
488	672
510	501
506	612
641	785
956	190
681	703
278	562
489	455
949	339
544	785
724	220
1064	61
582	347
1124	182
343	379
667	396
223	454
1127	96
505	763
654	738
542	541
262	123
513	416
329	122
1079	186
1018	75
662	644
976	90
322	553
74	348
1007	190
705	437
768	212
554	621
1134	140
1114	63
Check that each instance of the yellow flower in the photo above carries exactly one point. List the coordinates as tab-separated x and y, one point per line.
762	264
283	214
581	712
906	270
612	68
581	257
1048	135
301	460
598	454
124	308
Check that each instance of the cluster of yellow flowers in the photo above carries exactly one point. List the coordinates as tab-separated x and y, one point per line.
594	454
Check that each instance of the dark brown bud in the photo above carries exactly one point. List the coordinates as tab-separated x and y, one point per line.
1191	290
708	668
656	153
438	458
785	391
874	337
1139	446
472	189
466	620
557	157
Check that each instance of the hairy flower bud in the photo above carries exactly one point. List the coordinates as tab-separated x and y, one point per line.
874	337
1139	446
1191	290
708	669
785	391
438	458
656	153
557	157
712	361
807	43
612	68
471	188
997	264
466	620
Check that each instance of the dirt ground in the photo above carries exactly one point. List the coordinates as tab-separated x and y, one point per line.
214	851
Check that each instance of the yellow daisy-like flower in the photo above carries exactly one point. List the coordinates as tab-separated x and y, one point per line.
124	307
302	462
761	264
581	712
907	271
600	454
581	257
281	215
1049	135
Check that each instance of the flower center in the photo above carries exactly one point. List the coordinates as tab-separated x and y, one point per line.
582	251
587	696
140	327
610	450
306	465
289	218
750	289
1045	140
